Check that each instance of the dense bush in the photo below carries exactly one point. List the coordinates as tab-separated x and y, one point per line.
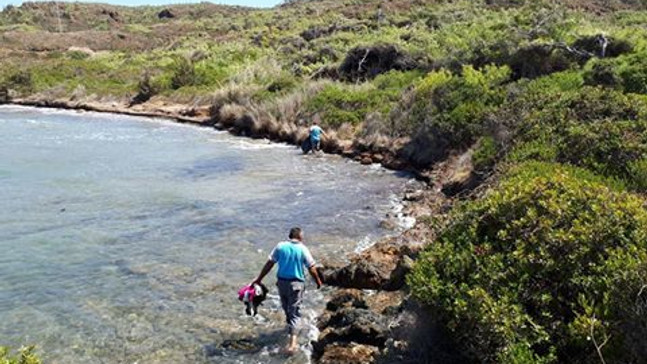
542	269
20	79
184	73
485	154
600	129
628	73
634	73
450	111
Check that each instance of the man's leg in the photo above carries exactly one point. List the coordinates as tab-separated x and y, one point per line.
293	293
295	314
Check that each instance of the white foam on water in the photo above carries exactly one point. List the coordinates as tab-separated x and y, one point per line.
364	244
403	221
256	145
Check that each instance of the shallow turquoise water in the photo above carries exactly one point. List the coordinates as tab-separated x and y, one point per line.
124	239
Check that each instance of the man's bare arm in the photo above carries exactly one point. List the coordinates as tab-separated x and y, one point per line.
266	269
315	275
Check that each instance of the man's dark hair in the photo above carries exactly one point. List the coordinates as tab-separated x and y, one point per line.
295	233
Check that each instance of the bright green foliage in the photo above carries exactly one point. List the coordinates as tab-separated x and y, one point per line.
450	111
25	356
633	73
537	266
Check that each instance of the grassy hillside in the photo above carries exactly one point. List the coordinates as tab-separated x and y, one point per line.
546	99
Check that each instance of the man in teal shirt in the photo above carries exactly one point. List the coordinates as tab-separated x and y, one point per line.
315	134
291	256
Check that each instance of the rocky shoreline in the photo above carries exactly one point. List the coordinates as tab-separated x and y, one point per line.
369	317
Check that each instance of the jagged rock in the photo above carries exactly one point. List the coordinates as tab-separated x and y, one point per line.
377	268
414	196
346	298
352	325
366	161
388	224
377	158
112	14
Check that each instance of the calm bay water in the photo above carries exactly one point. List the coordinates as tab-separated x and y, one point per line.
125	240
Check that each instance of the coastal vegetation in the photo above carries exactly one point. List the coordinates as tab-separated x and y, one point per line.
546	262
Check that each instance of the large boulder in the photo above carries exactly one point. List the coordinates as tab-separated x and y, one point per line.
382	267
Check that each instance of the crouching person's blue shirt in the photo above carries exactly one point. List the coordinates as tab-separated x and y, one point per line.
292	256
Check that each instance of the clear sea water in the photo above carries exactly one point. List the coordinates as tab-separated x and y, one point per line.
124	240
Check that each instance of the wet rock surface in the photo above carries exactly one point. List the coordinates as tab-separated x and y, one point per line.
353	328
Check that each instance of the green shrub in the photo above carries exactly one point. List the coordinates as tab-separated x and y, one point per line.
600	129
634	73
20	79
530	273
602	73
450	111
25	356
77	55
183	73
485	154
638	171
607	147
628	73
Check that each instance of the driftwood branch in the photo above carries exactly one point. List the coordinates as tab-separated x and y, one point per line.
574	51
361	63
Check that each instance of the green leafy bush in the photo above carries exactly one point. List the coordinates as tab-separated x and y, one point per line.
20	79
602	73
634	73
450	111
600	129
628	73
184	73
485	154
538	269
